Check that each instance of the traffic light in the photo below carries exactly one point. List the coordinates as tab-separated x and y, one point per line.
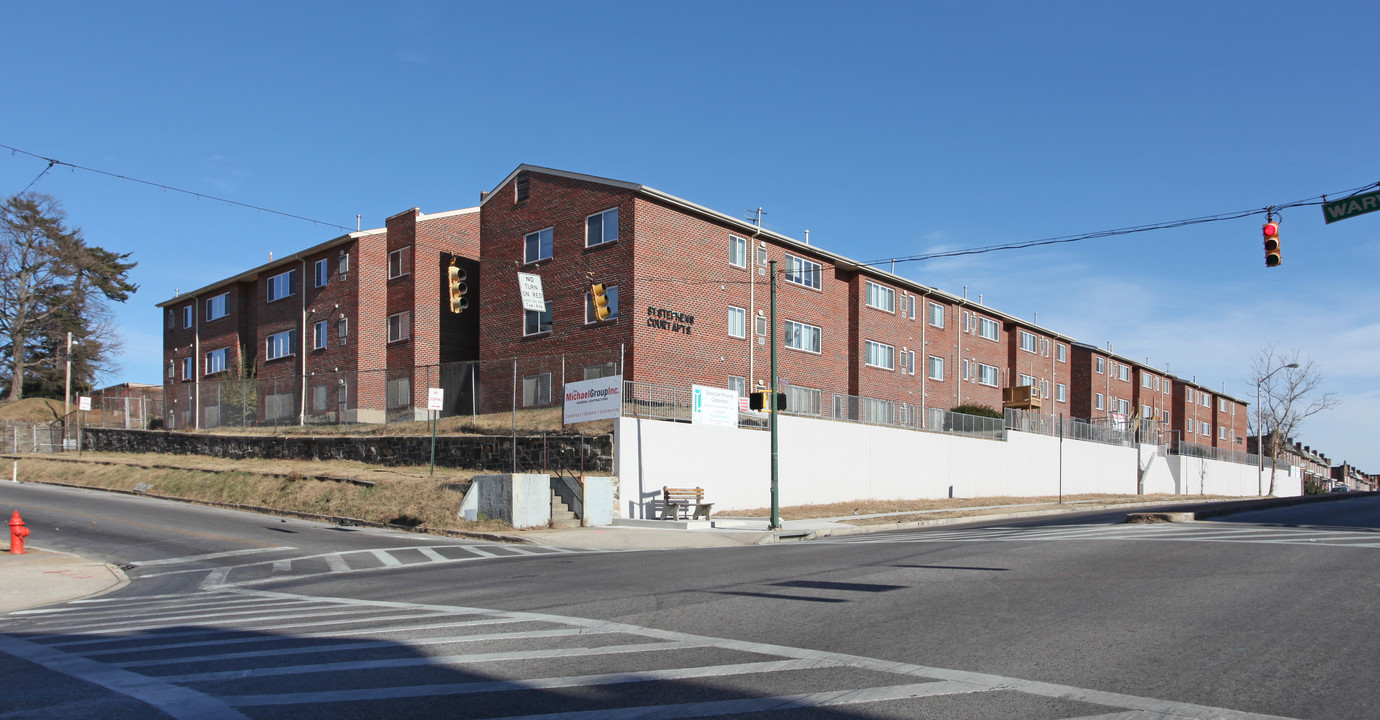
458	303
600	301
1272	252
760	401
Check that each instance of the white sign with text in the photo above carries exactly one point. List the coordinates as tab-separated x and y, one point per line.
713	406
530	287
598	399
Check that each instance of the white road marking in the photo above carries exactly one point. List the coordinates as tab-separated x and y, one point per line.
661	646
209	556
390	561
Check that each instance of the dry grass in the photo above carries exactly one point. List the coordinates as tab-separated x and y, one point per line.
31	410
935	508
400	496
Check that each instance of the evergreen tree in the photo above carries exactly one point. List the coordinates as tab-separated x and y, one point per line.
52	282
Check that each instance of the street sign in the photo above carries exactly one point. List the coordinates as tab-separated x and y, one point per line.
1351	207
435	398
83	402
530	287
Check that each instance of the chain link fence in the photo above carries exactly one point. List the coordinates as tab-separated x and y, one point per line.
515	395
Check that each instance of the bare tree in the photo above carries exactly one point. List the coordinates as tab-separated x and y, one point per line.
1290	392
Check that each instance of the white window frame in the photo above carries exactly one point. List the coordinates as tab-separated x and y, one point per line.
610	292
1221	404
1100	402
276	289
217	307
908	361
400	326
913	303
1028	341
988	375
737	251
544	240
397	260
738	384
936	318
342	329
879	355
1189	426
604	225
188	316
188	368
1145	381
737	322
320	272
280	345
320	334
533	387
936	368
1100	364
216	360
803	401
881	297
1027	380
1124	373
1044	388
988	328
797	333
1061	352
1061	392
1147	412
541	327
806	273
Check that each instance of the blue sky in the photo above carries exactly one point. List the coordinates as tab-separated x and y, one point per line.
886	129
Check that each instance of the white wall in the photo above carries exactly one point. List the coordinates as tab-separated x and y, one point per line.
823	461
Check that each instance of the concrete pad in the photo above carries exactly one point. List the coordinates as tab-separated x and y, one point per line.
46	577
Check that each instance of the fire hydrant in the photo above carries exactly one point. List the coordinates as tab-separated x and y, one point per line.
17	534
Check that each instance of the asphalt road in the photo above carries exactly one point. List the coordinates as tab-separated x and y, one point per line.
236	615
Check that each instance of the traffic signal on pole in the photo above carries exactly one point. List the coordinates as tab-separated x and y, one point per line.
600	301
760	400
1272	250
458	303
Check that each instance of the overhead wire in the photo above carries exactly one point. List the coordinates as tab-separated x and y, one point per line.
198	195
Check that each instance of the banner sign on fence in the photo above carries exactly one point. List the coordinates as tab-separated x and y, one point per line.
530	287
713	406
598	399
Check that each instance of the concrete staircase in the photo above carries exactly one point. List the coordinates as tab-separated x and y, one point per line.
561	516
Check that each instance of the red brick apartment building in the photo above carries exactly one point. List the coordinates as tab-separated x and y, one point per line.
689	294
348	318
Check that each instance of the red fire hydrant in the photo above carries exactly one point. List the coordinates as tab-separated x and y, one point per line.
17	534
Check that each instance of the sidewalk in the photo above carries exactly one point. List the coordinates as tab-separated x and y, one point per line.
44	577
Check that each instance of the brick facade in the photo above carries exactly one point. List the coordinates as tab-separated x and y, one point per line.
692	288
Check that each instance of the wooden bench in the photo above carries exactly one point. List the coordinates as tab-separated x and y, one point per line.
688	503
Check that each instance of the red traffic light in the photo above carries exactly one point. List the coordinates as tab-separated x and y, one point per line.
1272	251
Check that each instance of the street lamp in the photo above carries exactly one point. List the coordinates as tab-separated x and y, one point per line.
1260	430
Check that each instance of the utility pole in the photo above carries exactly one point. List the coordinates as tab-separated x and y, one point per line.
775	484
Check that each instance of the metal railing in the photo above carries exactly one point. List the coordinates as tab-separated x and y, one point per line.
1207	452
662	402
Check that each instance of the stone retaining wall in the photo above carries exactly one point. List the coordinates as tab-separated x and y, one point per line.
491	453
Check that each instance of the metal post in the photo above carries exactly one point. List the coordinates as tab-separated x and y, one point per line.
67	389
1259	445
513	418
1061	458
775	472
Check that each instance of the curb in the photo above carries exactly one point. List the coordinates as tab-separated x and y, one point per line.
333	519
